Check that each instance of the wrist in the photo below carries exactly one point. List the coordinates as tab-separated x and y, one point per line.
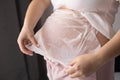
28	25
25	27
100	58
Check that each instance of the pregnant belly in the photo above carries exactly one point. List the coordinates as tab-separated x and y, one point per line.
67	31
59	35
68	36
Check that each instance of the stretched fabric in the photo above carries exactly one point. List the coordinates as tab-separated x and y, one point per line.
67	34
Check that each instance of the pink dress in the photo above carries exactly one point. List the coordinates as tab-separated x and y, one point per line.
67	34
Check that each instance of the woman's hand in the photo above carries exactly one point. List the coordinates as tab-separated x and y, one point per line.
84	65
26	36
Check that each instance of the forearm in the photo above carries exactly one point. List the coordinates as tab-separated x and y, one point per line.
34	12
111	48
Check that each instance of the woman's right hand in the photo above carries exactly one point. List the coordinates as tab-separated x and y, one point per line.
25	37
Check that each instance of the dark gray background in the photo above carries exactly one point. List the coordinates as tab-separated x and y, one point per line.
13	64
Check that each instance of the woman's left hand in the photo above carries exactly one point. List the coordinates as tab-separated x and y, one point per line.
84	65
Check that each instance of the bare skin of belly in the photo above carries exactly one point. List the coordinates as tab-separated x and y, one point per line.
102	39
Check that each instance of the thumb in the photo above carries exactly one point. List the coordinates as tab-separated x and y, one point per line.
34	42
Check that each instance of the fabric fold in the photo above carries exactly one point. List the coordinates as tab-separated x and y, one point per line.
100	22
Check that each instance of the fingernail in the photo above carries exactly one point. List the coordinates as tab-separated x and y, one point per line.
71	76
30	54
65	70
38	45
69	67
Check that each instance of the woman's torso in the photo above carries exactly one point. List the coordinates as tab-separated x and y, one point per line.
66	32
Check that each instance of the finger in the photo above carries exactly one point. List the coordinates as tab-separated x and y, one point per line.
34	42
24	49
71	69
72	63
27	42
76	74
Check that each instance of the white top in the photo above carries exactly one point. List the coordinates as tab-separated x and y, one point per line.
82	4
100	13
